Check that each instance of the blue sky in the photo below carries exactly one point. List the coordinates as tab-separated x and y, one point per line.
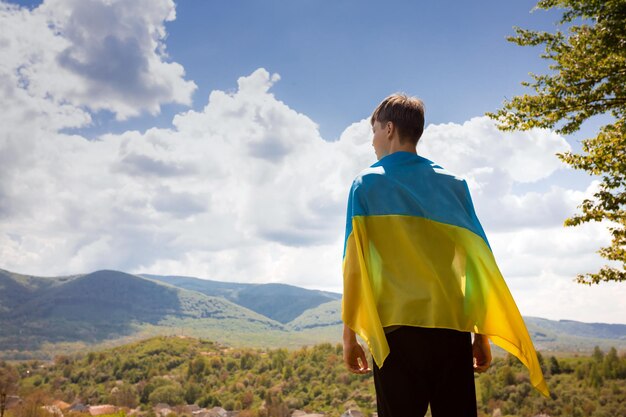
338	58
219	139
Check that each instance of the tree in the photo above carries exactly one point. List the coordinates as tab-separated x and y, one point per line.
597	354
32	406
171	394
555	367
124	396
8	384
275	406
192	392
588	78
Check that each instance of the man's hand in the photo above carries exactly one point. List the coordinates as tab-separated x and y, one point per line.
482	353
353	353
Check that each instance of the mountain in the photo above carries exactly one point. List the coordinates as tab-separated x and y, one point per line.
569	335
598	330
324	315
44	316
15	289
280	302
106	305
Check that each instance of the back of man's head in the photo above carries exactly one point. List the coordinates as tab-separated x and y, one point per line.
406	113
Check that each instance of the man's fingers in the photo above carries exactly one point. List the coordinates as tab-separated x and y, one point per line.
481	351
356	360
359	368
359	371
364	364
480	368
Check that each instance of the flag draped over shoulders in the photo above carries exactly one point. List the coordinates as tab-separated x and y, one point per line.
415	254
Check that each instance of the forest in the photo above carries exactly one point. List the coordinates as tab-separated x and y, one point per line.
275	382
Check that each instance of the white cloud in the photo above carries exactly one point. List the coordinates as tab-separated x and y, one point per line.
100	55
244	189
476	147
29	74
553	296
201	192
493	162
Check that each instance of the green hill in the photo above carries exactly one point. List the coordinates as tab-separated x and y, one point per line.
280	302
44	316
227	290
593	330
324	315
572	336
16	289
107	305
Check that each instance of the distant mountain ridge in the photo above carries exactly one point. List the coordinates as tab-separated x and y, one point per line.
103	305
263	298
40	316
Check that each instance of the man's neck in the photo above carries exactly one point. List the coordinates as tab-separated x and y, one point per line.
406	146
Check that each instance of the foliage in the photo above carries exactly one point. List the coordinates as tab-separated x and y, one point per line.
275	382
581	386
124	395
169	394
32	406
588	78
177	371
8	384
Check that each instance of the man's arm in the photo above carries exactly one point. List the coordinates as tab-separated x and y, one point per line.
481	351
353	353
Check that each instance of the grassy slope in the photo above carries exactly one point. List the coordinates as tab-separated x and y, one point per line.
324	315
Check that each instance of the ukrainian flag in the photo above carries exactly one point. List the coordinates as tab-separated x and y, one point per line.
415	254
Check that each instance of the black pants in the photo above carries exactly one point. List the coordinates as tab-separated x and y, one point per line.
426	366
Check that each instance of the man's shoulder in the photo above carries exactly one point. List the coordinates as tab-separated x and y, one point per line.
415	174
369	175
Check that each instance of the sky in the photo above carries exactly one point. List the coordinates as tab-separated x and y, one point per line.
219	139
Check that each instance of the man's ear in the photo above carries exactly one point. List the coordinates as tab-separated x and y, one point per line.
390	128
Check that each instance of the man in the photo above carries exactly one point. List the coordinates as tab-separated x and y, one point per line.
419	276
